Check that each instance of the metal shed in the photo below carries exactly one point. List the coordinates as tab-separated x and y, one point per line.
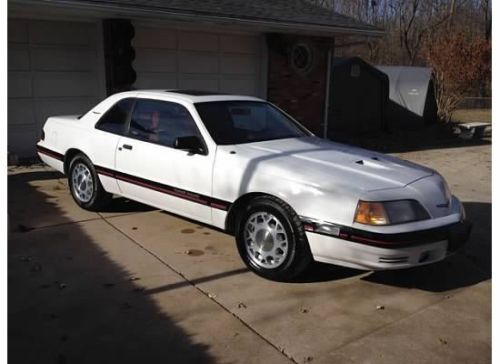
411	96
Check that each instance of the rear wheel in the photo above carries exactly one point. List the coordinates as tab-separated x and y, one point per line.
271	240
85	186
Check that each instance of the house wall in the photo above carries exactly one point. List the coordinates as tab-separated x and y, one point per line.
301	94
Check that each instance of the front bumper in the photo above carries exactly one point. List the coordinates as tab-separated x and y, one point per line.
376	251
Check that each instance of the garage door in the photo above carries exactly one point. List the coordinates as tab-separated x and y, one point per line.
170	58
53	69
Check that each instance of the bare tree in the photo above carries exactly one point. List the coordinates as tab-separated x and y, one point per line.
407	24
460	63
416	19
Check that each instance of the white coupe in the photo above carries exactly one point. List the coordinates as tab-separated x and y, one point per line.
243	165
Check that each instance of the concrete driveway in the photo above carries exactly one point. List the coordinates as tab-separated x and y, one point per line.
137	285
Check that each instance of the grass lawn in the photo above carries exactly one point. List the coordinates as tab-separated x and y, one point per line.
470	115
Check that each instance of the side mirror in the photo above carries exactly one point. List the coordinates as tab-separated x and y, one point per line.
191	144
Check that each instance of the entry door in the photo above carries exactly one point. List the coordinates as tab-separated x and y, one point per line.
151	170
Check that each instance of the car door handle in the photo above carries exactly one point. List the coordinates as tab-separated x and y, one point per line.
127	146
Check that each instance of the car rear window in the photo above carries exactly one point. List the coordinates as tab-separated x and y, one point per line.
115	119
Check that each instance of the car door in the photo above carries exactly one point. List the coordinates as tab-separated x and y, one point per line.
108	131
149	168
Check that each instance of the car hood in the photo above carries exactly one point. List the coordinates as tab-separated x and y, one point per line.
327	164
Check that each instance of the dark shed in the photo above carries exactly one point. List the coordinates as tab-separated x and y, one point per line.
358	97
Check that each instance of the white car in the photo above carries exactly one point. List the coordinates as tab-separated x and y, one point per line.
243	165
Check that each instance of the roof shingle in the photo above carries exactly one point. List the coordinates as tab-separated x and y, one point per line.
291	12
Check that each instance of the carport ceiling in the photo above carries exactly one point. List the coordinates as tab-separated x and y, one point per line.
278	15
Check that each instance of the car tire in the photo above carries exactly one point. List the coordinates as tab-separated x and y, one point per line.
85	186
271	239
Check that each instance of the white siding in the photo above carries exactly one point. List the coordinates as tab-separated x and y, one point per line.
173	58
54	67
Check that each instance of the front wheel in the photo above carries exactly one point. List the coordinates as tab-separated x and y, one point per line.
85	186
271	240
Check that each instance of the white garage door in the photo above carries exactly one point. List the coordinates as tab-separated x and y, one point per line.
54	68
170	58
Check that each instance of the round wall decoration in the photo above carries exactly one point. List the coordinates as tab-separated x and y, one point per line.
301	57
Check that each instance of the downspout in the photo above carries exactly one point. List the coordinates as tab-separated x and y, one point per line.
327	88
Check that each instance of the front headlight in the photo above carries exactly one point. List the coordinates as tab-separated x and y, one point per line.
389	212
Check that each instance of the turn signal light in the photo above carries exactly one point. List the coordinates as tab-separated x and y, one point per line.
371	213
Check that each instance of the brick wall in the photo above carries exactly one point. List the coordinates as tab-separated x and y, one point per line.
299	93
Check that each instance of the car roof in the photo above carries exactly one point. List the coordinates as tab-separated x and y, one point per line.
192	96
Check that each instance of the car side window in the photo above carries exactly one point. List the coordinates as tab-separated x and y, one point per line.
161	122
115	119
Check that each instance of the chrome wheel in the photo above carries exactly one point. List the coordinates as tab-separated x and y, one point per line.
82	182
266	240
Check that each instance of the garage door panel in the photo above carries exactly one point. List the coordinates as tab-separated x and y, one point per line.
200	84
21	112
17	31
62	33
198	63
19	84
155	60
207	61
156	80
53	69
198	41
18	57
62	106
53	84
154	38
239	65
22	140
244	87
49	59
240	44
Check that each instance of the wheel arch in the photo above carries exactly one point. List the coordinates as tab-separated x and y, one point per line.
69	155
296	260
238	205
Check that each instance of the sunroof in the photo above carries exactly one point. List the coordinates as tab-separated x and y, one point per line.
194	92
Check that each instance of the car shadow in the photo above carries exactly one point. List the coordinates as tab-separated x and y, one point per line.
322	272
71	299
124	205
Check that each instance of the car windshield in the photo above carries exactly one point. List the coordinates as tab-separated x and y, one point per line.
238	122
